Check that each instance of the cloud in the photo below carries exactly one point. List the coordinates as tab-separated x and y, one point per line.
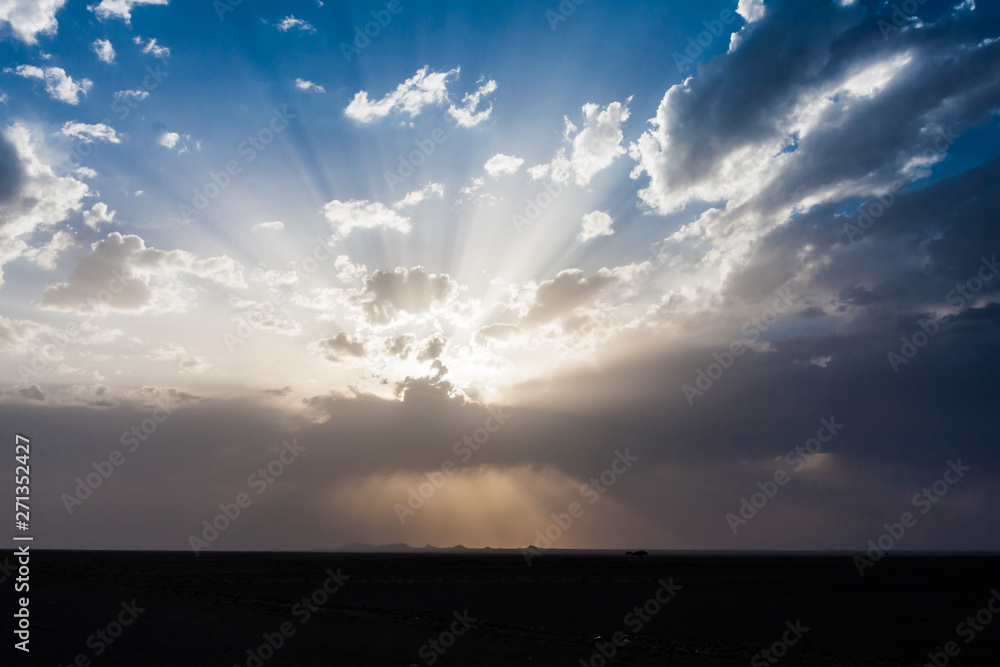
186	363
389	295
596	223
32	197
151	47
308	86
292	23
48	254
122	274
98	215
362	214
422	89
274	226
104	50
591	149
59	85
30	18
336	348
99	131
562	295
122	8
131	96
751	10
169	139
417	196
466	115
502	165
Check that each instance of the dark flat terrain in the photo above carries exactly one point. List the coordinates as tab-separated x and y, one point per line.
210	610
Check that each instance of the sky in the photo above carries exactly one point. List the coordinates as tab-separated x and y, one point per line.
666	275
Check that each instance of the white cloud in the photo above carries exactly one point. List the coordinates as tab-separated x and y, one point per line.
751	10
502	165
290	23
59	85
122	8
105	52
466	115
152	48
274	226
592	149
169	139
354	214
135	278
131	97
98	215
30	18
596	223
38	198
46	255
308	86
99	131
411	96
417	196
186	363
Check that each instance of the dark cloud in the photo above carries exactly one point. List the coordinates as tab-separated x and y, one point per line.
11	172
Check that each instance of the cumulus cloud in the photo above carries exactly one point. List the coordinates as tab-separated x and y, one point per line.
59	85
169	139
337	348
98	215
561	296
30	18
388	295
292	23
596	223
122	8
152	48
186	362
415	197
121	273
98	131
308	86
751	10
424	88
502	165
104	50
362	214
466	115
32	197
591	149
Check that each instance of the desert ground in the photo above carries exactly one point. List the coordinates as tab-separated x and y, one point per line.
490	608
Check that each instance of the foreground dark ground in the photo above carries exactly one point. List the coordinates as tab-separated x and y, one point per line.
210	610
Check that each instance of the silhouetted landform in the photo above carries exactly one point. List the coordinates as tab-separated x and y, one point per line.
220	608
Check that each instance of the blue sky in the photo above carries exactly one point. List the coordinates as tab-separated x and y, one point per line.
590	212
